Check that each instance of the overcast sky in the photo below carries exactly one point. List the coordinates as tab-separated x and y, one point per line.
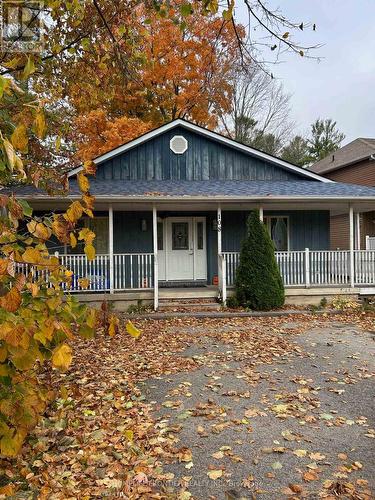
342	85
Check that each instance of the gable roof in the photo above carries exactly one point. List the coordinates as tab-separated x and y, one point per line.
211	135
358	150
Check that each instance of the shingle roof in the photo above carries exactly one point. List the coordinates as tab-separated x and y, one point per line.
359	149
172	189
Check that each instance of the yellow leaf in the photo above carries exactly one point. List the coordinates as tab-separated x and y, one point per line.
39	230
29	68
132	330
40	124
84	282
300	453
83	183
9	150
129	435
31	256
11	445
12	300
74	212
113	325
91	318
87	235
62	357
215	474
19	138
64	392
90	252
73	240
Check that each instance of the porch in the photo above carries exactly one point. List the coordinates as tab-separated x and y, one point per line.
170	251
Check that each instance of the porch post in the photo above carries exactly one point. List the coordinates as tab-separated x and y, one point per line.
358	230
110	247
261	217
156	267
221	269
351	244
219	247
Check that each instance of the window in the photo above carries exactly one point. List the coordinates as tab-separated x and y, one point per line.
200	235
160	236
180	236
278	228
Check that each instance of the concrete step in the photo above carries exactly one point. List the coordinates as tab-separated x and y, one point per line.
188	306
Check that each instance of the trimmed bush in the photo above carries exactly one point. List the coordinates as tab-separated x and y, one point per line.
258	284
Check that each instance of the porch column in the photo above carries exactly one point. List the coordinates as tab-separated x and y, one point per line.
351	244
261	216
156	267
221	266
358	231
110	248
219	244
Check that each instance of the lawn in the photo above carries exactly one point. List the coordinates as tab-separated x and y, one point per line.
211	409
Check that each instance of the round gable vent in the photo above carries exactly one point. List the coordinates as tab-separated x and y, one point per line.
178	144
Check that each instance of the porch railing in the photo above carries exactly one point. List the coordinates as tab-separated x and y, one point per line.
137	271
370	242
315	267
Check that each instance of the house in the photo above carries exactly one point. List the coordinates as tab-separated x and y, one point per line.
171	210
354	163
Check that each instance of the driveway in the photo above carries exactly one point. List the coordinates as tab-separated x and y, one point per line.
270	412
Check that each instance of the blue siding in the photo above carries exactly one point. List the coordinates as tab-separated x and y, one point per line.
307	229
204	159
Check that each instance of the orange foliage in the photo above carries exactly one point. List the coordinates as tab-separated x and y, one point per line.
174	73
100	134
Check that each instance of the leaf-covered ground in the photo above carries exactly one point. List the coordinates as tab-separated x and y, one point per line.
210	409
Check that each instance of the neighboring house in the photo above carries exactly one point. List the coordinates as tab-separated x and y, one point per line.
171	210
354	163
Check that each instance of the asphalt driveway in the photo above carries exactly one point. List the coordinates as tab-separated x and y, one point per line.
288	418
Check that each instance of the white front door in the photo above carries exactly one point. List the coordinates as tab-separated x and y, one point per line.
185	252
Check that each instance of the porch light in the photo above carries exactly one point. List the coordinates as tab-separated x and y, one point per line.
143	225
214	224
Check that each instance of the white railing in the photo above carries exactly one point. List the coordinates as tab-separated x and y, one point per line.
232	259
330	267
133	271
96	271
364	267
136	271
292	267
316	267
370	242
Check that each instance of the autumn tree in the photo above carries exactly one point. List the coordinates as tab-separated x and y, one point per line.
179	72
126	61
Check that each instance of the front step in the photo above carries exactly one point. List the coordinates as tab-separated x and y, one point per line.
185	305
